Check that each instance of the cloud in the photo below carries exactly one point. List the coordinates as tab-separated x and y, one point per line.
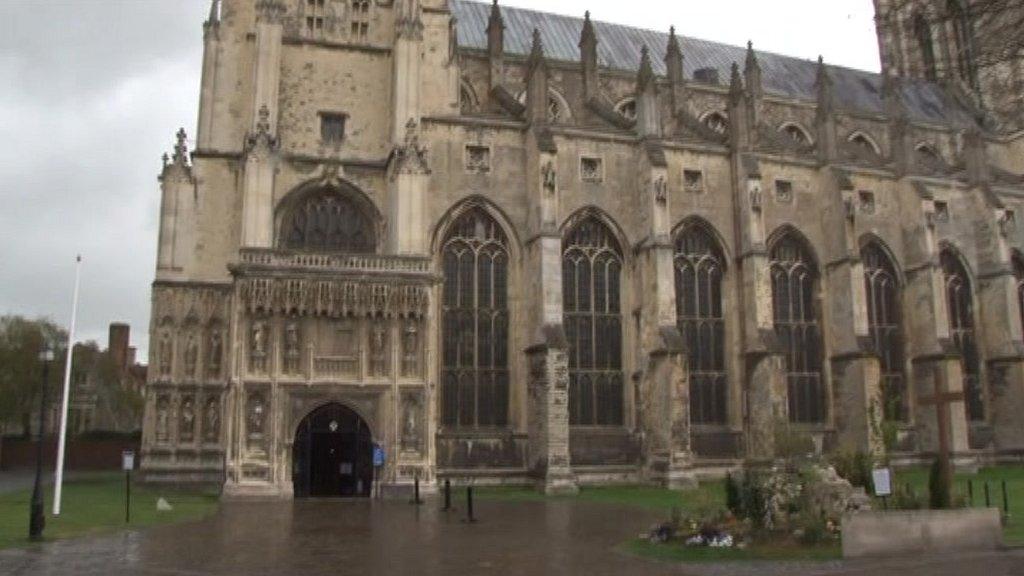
95	89
99	91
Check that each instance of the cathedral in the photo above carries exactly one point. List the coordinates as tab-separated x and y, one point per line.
419	240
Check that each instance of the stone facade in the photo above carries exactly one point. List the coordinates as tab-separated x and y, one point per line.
352	154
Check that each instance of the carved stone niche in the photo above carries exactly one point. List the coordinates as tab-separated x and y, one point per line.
211	420
187	419
258	345
256	415
379	337
291	348
412	423
162	420
411	348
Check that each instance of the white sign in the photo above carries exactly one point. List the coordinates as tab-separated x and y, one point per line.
127	460
883	481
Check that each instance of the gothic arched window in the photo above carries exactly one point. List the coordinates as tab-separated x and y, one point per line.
700	266
591	270
717	122
797	134
627	108
474	364
794	288
962	41
885	323
923	34
326	221
960	303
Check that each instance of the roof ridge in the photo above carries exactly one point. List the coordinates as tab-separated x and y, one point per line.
660	50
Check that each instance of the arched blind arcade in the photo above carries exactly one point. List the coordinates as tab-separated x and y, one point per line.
326	221
475	361
591	270
884	321
1018	274
794	285
960	303
699	267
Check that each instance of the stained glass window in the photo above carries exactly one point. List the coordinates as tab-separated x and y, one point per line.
326	221
884	321
797	325
699	266
960	303
591	270
475	375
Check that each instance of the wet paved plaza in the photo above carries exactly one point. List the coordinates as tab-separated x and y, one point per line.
340	538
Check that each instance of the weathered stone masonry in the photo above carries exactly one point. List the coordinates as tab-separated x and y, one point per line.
529	248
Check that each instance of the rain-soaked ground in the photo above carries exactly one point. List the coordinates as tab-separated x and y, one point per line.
364	537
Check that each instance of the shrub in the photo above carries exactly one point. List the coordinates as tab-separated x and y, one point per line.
733	497
856	468
939	487
905	498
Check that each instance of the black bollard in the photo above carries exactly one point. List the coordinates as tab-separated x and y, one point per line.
988	497
416	490
447	495
469	505
1006	500
970	493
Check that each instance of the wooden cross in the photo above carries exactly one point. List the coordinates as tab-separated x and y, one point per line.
941	401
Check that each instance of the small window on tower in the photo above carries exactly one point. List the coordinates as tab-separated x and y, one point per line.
360	20
784	191
314	18
332	127
867	202
693	181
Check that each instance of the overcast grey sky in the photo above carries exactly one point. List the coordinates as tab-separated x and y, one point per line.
93	91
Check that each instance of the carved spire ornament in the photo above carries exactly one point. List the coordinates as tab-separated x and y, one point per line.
588	54
645	77
752	72
674	57
823	85
262	138
735	84
411	157
536	51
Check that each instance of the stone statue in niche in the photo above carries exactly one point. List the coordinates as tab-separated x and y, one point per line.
410	347
292	347
216	353
191	356
163	417
378	348
187	420
257	414
411	423
258	345
211	420
165	354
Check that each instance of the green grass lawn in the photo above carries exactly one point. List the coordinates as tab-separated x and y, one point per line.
1014	477
96	505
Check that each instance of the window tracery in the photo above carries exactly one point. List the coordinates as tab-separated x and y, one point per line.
475	315
326	221
591	270
699	269
885	319
797	325
960	303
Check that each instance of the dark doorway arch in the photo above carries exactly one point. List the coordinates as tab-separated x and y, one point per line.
332	455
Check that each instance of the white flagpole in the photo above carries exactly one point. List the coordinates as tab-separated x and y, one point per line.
59	480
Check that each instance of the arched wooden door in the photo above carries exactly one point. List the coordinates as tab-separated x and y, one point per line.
332	455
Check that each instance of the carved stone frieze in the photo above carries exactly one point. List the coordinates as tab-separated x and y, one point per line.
332	298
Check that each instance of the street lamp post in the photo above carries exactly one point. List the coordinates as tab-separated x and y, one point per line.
37	520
